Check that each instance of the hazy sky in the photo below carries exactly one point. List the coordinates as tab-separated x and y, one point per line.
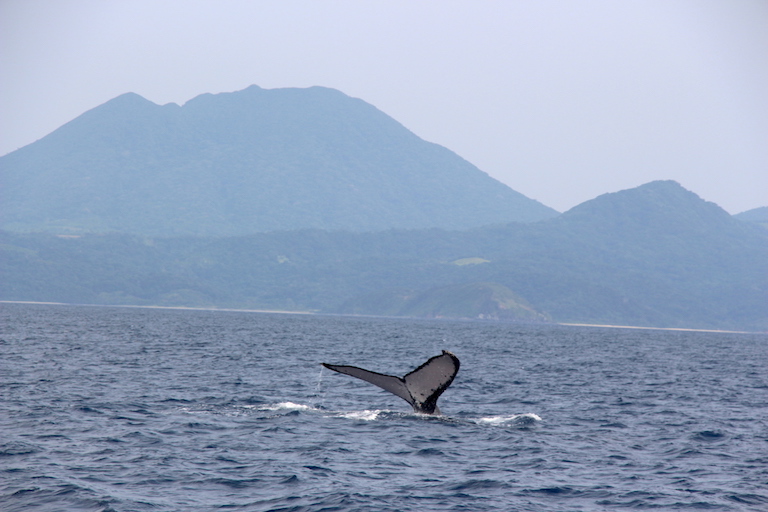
560	100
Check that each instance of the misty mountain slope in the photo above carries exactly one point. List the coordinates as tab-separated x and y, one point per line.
657	255
653	255
245	162
755	215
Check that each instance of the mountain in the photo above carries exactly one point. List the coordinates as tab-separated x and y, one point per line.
754	215
757	215
246	162
654	255
657	255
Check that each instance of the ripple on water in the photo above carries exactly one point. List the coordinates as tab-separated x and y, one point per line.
147	410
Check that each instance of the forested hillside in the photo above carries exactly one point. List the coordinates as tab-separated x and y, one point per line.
657	255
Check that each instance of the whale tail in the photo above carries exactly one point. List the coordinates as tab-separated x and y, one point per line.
421	388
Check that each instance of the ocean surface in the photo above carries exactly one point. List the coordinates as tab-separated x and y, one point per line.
127	409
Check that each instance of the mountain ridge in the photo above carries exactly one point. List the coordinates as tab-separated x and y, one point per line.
250	161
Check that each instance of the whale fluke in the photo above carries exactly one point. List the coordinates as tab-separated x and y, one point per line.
421	388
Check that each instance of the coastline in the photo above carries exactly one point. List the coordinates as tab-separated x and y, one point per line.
305	312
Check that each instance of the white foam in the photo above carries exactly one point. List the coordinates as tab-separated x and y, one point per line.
285	405
361	415
518	419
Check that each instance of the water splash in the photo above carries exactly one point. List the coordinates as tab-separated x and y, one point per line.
526	419
286	406
366	415
318	399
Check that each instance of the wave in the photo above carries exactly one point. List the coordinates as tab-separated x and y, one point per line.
501	420
282	406
526	419
289	408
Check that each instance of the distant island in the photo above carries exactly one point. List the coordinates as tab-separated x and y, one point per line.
309	200
655	256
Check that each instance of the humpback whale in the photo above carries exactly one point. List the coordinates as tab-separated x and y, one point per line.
421	388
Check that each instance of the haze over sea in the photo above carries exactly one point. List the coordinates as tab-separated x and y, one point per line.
127	409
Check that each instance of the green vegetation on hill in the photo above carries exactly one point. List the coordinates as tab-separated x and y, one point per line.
484	301
656	255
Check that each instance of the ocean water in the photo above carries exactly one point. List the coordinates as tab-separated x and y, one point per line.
122	409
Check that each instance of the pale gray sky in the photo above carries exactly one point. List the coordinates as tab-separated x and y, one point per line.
561	100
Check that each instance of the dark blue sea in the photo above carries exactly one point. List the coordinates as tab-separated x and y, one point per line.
125	409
